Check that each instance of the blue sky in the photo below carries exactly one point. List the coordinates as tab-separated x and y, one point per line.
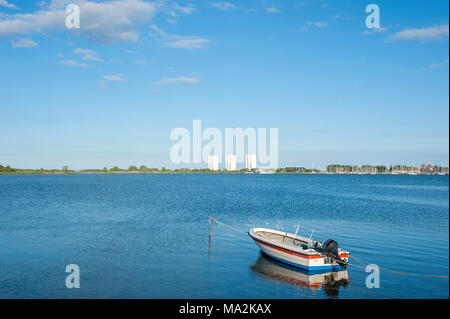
110	92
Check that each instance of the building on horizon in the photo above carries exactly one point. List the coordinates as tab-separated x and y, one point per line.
230	162
213	163
250	161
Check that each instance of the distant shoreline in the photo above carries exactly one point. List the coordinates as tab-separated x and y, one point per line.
335	169
210	172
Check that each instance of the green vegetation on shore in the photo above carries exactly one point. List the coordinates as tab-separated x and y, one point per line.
297	169
7	170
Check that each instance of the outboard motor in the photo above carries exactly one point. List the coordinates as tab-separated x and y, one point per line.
330	249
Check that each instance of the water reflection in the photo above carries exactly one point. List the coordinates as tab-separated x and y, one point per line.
330	282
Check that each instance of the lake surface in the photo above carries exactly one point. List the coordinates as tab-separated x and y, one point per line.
146	235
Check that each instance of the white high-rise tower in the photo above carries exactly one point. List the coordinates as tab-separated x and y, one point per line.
230	162
250	161
213	163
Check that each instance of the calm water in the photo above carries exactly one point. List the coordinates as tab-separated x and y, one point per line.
146	236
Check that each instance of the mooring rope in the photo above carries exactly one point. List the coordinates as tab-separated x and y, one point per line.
394	271
228	226
364	265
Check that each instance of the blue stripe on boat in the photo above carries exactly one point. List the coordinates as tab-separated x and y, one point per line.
310	269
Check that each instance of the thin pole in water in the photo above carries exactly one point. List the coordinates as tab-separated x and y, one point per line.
209	238
209	221
296	231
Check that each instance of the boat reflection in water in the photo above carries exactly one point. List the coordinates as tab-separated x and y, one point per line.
330	282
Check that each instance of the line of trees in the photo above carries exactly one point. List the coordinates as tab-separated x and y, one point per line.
145	169
114	169
296	169
7	169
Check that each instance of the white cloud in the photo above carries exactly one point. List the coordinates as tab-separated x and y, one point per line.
375	30
184	10
425	34
88	55
175	9
23	43
224	6
320	24
6	4
29	23
177	41
272	10
339	17
188	43
73	63
113	78
181	79
317	24
114	21
438	65
84	51
145	62
172	13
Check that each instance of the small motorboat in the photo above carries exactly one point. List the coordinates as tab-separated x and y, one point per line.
300	252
